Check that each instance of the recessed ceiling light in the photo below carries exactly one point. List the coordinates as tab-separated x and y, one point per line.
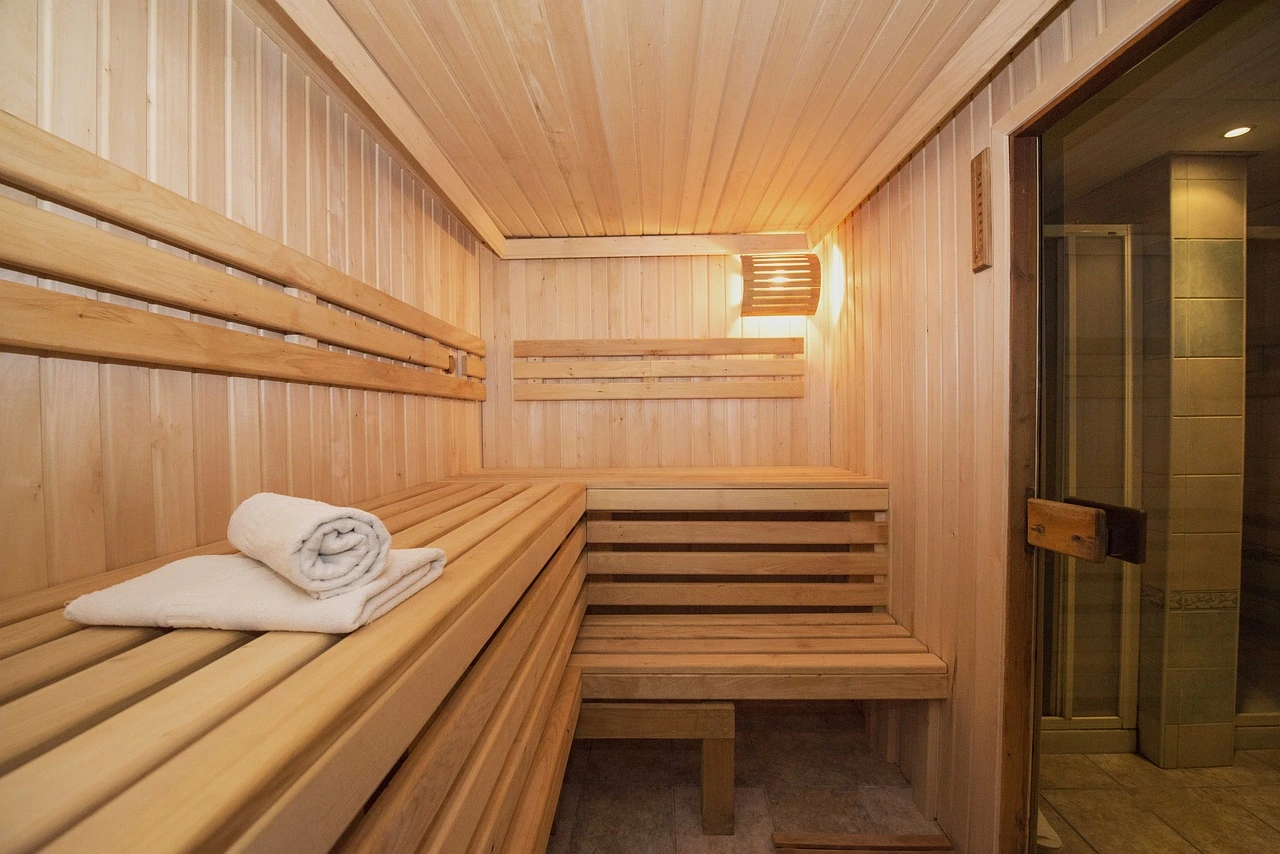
1235	132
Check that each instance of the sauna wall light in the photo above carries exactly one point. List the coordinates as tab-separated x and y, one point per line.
1235	132
781	285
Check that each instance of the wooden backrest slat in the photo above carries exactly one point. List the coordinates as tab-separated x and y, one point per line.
36	319
405	809
570	347
632	368
646	390
29	670
36	721
730	594
48	166
48	244
205	796
58	788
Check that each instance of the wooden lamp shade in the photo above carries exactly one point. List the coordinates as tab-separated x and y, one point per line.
775	285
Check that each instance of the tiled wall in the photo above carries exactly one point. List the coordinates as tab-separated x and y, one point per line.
1193	468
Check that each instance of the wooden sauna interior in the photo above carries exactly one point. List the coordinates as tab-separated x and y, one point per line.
407	255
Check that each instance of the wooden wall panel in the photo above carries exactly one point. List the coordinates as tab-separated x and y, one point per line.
919	371
105	465
672	297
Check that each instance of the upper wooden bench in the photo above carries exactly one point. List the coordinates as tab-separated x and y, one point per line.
459	704
740	583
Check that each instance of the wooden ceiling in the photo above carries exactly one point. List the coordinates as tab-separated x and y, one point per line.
575	118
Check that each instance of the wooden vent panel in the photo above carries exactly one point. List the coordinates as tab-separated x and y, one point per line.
774	285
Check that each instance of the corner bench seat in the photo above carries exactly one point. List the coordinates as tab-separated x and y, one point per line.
456	708
864	656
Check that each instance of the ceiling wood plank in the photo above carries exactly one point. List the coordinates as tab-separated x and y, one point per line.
655	245
998	33
320	24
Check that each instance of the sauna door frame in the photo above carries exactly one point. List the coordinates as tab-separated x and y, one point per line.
1022	674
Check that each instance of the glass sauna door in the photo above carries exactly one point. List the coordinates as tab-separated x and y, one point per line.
1160	375
1092	452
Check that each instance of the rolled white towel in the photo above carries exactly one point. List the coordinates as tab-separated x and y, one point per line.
238	592
324	550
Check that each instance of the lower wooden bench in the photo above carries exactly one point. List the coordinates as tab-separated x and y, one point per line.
118	739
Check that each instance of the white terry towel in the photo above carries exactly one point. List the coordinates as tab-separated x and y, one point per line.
238	592
325	550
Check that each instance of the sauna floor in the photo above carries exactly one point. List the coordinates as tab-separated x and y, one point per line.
1122	803
800	767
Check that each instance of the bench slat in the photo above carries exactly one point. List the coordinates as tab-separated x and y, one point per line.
58	788
781	594
33	631
505	796
715	634
535	813
37	667
211	792
764	686
35	722
766	500
405	809
796	533
730	647
857	619
764	663
737	563
44	601
463	809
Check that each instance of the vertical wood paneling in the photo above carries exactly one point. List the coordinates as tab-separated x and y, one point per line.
920	396
104	465
672	297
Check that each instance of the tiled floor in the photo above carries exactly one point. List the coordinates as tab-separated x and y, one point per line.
801	766
1122	803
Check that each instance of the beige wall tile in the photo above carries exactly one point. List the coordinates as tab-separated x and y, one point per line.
1208	386
1207	561
1215	209
1208	504
1204	745
1208	268
1208	445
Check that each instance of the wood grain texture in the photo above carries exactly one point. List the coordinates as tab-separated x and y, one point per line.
621	306
106	465
658	119
921	349
729	389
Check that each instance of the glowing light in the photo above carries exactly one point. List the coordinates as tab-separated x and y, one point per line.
1235	132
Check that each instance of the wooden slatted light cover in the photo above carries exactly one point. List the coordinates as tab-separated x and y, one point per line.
774	285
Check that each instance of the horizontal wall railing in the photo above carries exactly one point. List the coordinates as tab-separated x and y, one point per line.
629	375
431	357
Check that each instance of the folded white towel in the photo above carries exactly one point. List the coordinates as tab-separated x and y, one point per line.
238	592
325	550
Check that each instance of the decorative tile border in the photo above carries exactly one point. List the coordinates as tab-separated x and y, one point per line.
1204	600
1152	596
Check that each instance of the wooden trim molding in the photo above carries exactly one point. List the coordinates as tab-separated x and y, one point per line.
524	248
1020	724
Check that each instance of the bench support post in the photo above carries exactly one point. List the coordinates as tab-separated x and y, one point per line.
711	723
717	786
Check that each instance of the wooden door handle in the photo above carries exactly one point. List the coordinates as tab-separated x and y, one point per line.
1068	529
